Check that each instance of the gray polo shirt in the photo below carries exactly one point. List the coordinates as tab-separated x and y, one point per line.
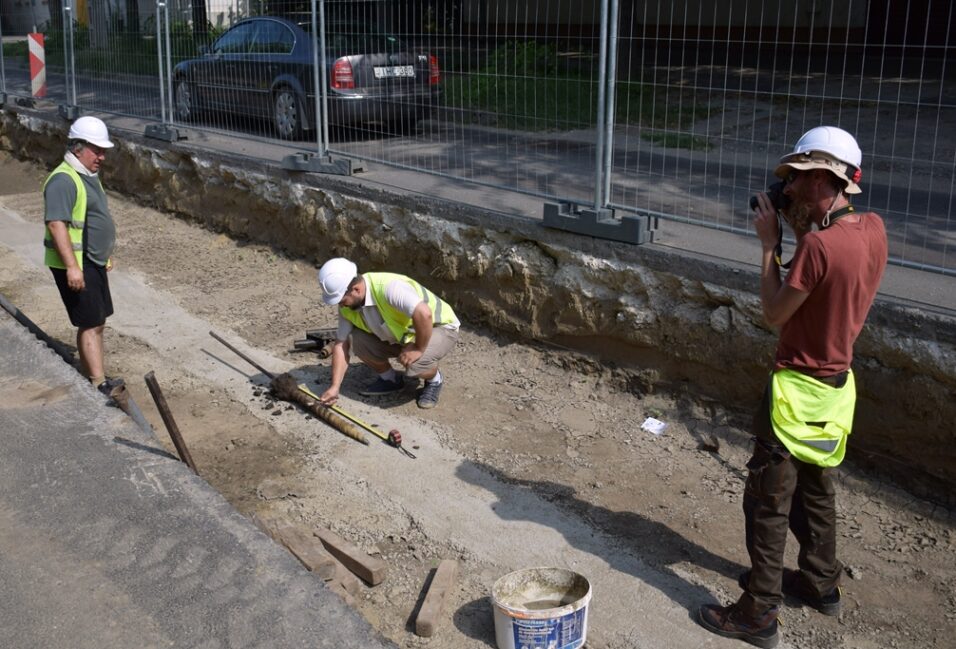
59	197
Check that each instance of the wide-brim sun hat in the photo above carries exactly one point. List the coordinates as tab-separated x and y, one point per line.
826	147
820	160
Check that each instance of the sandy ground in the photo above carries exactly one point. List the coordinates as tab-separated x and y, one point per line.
535	455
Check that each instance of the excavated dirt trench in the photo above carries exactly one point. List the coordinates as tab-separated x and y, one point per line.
535	455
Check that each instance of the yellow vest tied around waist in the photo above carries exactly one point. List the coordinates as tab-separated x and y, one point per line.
397	321
812	419
74	226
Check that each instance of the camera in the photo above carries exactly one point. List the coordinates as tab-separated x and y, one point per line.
778	199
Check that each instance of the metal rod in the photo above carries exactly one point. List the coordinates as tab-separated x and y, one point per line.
611	92
3	71
160	6
321	80
18	315
167	416
71	49
601	117
169	64
243	356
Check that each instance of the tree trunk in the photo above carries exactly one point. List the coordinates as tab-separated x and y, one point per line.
132	16
56	16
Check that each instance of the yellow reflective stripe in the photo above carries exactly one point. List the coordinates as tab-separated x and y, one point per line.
826	446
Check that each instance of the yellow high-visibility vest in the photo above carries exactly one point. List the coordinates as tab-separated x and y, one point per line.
811	418
397	321
74	226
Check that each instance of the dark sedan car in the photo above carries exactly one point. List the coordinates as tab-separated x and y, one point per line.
263	67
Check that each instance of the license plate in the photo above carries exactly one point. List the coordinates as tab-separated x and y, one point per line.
392	71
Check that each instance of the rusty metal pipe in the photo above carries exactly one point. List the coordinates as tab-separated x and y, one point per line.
167	416
243	356
286	388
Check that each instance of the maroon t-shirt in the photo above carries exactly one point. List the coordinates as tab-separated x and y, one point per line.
840	267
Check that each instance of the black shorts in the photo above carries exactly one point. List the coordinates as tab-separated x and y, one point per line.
93	305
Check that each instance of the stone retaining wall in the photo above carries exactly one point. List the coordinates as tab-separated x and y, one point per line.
661	317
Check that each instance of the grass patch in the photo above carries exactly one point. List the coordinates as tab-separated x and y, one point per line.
123	53
529	86
19	49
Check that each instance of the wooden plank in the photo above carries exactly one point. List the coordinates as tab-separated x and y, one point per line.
301	543
439	592
350	582
369	569
337	588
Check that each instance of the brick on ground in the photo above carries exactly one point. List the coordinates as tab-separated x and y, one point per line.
300	542
369	569
439	591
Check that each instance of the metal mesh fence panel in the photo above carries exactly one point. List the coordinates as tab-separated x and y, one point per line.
20	20
248	72
710	95
674	109
501	93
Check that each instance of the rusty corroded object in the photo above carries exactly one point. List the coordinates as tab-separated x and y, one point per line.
285	387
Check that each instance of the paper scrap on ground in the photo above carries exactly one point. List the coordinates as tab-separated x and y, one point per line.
652	425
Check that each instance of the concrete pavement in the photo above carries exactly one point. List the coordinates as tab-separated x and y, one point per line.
106	541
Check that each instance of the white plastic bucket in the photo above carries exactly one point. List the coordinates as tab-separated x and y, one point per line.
541	608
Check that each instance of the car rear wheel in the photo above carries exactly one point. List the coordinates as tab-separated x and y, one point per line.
185	95
287	114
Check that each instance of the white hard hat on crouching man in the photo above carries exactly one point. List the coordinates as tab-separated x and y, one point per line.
806	414
384	316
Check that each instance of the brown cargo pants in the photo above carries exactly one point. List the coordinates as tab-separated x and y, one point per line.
783	492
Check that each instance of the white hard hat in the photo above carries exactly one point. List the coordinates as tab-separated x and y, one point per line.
92	130
334	278
826	147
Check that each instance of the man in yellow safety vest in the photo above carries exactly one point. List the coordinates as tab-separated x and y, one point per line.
802	424
79	241
384	316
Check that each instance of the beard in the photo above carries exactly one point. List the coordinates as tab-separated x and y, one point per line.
798	217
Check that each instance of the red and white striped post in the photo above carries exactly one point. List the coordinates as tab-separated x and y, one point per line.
37	65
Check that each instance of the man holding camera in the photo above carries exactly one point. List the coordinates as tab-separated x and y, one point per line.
803	421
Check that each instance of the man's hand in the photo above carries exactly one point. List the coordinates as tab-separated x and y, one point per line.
109	264
329	397
64	248
410	354
765	222
74	278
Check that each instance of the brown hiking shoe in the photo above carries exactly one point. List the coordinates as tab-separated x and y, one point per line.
732	622
795	585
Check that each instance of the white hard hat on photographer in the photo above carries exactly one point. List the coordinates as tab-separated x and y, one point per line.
826	147
334	278
92	130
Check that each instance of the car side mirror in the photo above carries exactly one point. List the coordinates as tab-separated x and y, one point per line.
204	50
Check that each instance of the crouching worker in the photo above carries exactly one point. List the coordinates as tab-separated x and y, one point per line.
384	316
